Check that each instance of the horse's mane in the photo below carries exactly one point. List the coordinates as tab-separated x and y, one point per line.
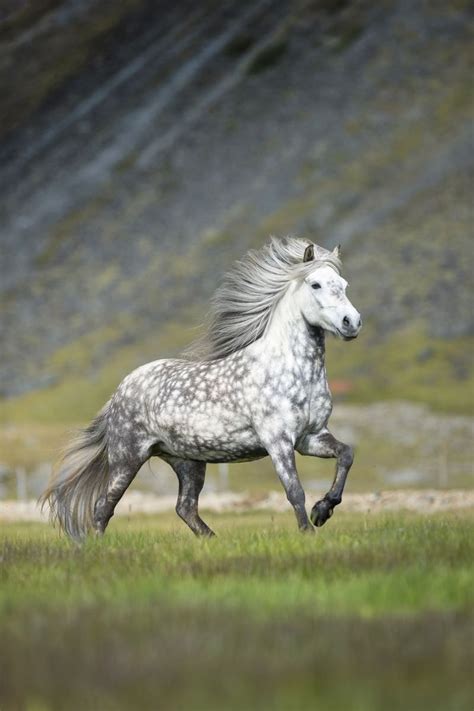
242	305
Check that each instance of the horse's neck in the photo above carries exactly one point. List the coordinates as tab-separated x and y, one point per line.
291	338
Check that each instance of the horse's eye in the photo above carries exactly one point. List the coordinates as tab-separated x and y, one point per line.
316	285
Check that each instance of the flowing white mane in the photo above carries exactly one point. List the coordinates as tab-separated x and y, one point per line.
244	302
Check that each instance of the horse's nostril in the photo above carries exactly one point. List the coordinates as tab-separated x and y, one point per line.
359	323
346	322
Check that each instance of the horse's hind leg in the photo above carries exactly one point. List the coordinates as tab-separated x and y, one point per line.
122	473
191	476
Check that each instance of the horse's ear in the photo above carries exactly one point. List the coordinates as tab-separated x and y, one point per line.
309	253
337	251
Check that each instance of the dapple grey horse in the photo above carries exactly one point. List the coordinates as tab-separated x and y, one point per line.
254	385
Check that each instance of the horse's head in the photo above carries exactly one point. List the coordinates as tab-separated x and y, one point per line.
323	300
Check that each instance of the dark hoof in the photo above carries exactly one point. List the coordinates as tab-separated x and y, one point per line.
321	511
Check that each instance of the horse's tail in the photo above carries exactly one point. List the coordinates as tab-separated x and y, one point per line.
79	479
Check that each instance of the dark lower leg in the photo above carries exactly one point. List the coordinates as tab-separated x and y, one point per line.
345	458
296	496
323	509
119	482
191	476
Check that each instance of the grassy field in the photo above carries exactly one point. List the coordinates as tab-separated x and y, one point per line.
372	612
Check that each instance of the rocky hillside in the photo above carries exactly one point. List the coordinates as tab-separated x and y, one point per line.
145	145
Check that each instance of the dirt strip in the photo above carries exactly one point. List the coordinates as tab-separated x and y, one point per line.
426	501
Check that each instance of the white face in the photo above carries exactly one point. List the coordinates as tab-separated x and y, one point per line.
323	302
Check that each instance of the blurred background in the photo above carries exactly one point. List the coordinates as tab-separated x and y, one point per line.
146	145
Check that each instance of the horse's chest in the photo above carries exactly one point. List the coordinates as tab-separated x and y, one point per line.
312	409
320	406
292	400
311	403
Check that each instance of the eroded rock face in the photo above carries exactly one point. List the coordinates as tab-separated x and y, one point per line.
146	145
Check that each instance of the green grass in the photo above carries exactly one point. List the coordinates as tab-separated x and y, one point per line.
371	612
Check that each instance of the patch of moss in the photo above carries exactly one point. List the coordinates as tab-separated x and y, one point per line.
78	355
66	228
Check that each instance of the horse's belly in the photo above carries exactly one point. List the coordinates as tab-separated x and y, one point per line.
213	437
232	454
219	452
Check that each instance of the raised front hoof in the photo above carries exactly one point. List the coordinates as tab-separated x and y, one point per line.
321	511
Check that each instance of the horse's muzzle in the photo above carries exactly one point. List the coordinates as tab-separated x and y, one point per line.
350	328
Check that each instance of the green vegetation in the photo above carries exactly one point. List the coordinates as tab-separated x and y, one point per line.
64	230
410	366
81	391
370	612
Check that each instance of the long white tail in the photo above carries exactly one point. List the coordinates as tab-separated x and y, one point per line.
79	479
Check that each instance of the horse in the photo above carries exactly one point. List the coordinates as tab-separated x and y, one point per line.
253	385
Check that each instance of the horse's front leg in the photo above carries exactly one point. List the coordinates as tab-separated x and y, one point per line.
282	455
325	445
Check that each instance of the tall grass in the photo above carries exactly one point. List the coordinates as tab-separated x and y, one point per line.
370	612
